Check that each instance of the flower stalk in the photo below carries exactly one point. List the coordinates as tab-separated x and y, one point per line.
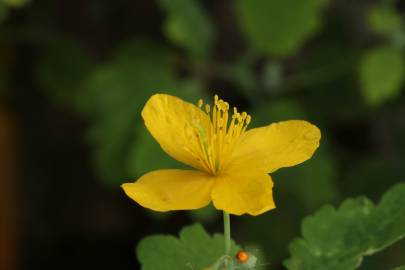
227	233
227	236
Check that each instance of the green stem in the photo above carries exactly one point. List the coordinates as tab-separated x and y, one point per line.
227	233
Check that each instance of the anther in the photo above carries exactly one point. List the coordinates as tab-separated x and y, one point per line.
248	119
218	140
219	105
207	108
239	117
200	103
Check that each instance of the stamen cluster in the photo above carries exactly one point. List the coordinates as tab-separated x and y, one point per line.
216	141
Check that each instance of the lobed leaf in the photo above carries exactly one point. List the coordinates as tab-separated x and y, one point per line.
338	239
194	249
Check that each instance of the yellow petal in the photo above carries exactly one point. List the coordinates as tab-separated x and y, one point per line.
170	120
278	145
166	190
243	193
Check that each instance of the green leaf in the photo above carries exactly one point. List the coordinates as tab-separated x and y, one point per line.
146	155
188	25
382	74
194	249
62	68
138	69
338	239
112	98
280	27
110	136
384	20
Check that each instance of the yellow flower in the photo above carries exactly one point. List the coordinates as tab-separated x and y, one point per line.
232	163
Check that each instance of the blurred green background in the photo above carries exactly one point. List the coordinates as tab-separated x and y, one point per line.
74	76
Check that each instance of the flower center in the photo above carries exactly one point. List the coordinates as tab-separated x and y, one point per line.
215	142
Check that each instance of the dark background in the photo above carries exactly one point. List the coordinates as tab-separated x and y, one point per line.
74	76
